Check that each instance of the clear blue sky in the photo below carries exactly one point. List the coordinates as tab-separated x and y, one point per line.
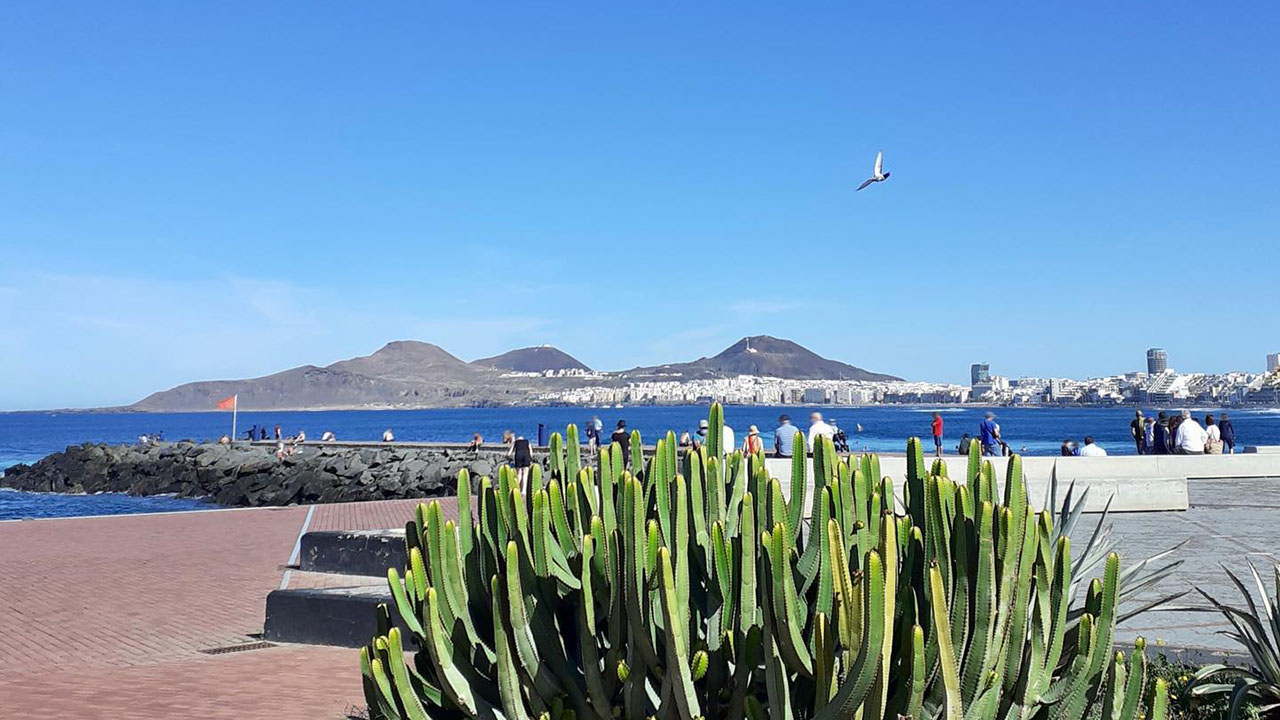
213	190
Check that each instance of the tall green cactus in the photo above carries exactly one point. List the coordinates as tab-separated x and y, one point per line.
690	588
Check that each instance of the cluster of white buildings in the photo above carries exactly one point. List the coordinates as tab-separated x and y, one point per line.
755	390
1161	385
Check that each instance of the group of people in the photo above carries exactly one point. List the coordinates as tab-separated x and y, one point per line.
989	439
1181	434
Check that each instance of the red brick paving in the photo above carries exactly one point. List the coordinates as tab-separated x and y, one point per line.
106	617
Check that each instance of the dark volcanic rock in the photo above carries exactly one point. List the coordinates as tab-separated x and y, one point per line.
251	475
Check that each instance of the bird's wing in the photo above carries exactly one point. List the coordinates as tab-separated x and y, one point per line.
879	163
865	183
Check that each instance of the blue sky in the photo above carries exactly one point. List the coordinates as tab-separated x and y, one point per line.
210	190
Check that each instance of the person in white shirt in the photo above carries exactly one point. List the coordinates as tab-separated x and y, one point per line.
727	440
387	436
1090	449
818	427
1191	437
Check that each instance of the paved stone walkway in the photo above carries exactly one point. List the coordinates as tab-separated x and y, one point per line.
108	617
1230	522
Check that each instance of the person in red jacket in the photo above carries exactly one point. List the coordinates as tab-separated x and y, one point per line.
937	434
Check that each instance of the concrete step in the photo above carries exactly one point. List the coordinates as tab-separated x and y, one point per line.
346	552
343	617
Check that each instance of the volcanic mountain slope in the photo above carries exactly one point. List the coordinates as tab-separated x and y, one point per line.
404	373
532	359
411	374
765	356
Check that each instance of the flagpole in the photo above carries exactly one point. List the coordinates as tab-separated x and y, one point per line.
235	412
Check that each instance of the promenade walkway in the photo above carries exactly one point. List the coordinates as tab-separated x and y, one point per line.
113	617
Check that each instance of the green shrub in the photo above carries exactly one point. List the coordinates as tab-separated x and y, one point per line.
1258	631
699	588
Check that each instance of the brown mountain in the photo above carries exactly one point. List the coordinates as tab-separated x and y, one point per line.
409	361
410	374
533	359
766	356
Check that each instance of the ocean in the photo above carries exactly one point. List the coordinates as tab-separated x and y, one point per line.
27	437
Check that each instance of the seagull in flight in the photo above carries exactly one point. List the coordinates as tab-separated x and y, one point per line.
878	175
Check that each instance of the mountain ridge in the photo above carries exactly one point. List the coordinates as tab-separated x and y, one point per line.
413	374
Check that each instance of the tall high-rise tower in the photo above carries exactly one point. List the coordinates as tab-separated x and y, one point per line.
979	373
1157	361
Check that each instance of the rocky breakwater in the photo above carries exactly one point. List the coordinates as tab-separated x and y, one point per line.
251	475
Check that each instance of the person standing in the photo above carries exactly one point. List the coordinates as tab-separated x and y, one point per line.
593	435
1160	436
1228	432
1190	437
278	435
1149	437
1138	430
727	440
1213	437
1091	448
784	438
963	447
752	444
623	439
937	434
818	427
989	435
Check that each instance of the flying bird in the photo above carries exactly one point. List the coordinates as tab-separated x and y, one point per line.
878	175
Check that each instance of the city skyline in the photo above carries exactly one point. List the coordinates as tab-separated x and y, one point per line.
226	190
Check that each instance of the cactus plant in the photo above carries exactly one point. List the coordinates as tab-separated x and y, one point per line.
694	587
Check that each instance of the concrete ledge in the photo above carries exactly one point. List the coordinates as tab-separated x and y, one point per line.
345	617
1136	482
363	552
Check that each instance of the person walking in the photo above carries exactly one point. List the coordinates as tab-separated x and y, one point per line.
1190	437
1138	430
936	426
784	438
521	457
1213	437
989	435
818	427
1228	433
752	444
1091	448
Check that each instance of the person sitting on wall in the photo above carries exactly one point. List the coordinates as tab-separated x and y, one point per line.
476	442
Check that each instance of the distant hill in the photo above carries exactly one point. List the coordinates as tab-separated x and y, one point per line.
533	359
409	361
766	356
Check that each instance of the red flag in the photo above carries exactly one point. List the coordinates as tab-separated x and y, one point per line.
227	403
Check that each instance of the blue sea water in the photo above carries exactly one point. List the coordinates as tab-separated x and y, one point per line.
27	437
